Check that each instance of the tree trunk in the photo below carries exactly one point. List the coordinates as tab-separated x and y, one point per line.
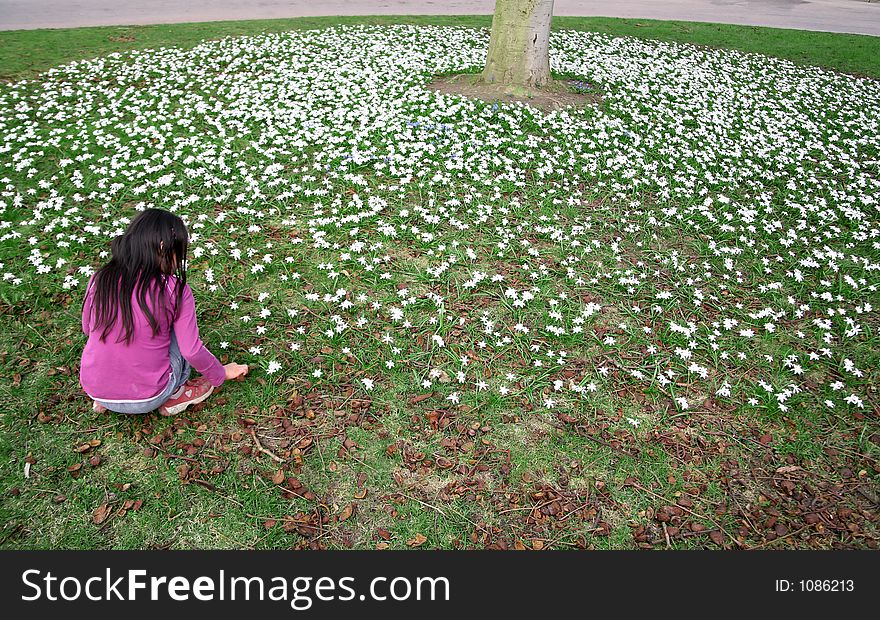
519	48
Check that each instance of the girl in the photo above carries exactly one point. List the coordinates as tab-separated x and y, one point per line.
140	319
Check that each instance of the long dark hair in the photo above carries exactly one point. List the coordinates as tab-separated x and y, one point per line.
152	248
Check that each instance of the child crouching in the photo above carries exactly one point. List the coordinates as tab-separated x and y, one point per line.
140	318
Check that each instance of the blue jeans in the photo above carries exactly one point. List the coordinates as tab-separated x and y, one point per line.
180	372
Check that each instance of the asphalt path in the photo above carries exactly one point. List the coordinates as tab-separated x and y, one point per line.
855	16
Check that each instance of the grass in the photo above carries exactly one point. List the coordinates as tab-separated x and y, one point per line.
24	53
381	469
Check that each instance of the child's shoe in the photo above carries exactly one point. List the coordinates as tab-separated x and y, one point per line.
97	407
192	392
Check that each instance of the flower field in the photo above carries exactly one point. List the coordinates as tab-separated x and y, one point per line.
647	322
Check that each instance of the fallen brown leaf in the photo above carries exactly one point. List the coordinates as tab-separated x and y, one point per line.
415	400
787	469
417	541
346	512
101	513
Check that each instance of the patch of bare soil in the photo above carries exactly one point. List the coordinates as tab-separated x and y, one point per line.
558	94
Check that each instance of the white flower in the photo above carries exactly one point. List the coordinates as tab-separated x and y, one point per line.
852	399
725	144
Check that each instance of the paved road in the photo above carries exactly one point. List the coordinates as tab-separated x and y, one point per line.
858	16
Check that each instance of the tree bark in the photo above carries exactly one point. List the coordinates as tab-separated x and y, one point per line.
519	47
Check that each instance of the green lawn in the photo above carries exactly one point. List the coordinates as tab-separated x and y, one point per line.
648	323
26	52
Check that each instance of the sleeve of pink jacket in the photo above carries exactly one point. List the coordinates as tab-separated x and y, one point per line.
191	346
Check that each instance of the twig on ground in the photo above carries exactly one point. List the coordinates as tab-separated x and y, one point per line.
427	505
260	448
789	535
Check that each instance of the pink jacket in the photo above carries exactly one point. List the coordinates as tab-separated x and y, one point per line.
140	370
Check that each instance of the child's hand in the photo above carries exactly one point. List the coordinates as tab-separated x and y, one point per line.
235	371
